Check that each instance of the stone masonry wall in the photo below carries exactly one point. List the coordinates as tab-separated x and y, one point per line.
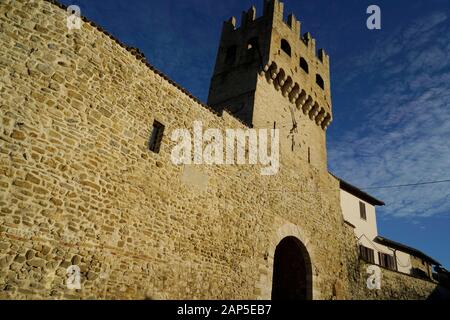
78	184
394	285
307	144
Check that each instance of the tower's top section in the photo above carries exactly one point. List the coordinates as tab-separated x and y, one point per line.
274	11
272	46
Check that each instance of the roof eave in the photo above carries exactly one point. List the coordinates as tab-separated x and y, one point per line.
413	251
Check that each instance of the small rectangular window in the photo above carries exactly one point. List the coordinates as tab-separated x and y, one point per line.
386	260
156	137
367	254
362	210
230	56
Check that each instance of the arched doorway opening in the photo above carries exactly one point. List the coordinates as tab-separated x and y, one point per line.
292	272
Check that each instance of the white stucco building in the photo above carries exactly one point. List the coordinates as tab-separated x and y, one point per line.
359	210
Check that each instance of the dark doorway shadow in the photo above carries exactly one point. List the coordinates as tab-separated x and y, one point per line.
292	272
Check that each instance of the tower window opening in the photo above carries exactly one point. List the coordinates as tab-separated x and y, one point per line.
230	56
252	47
156	137
304	65
320	81
252	43
286	47
362	210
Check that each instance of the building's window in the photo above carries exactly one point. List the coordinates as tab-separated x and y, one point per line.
416	272
386	261
367	254
230	56
309	155
286	47
304	65
362	210
156	137
252	44
252	47
320	81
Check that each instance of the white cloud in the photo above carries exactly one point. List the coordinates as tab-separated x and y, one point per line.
404	137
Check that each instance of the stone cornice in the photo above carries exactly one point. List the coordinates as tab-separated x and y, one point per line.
295	94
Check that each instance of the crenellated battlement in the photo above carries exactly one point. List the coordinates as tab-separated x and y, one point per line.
273	8
274	11
248	17
294	24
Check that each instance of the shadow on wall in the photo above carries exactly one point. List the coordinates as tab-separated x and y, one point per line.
442	291
442	276
439	294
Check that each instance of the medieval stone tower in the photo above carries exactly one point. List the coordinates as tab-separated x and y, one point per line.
80	186
269	75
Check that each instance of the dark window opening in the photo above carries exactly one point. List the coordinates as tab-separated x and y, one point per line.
230	56
304	65
252	43
362	210
286	47
309	155
320	81
386	261
156	137
419	273
367	254
252	48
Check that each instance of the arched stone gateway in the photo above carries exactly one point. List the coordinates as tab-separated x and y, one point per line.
292	272
263	288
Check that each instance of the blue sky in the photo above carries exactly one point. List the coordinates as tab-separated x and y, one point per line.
390	88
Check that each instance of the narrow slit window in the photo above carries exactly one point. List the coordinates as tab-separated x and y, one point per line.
252	47
156	137
286	47
230	56
304	65
362	210
252	43
319	81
